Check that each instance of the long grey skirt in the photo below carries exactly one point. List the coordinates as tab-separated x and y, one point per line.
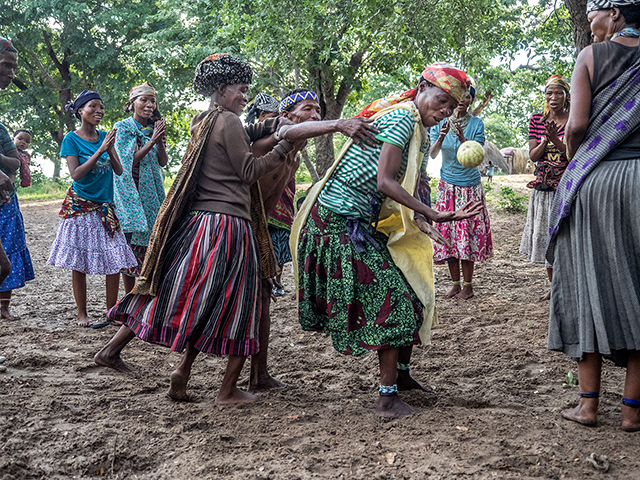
595	293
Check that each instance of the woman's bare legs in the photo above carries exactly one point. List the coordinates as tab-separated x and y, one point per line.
454	271
405	380
391	406
128	283
109	355
79	282
113	285
5	300
467	274
631	416
229	392
589	380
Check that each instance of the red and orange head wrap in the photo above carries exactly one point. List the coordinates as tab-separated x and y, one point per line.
557	80
450	79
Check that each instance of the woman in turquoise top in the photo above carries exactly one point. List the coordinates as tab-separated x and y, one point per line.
89	239
139	191
470	239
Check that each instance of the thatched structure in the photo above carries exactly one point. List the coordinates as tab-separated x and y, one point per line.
517	157
492	153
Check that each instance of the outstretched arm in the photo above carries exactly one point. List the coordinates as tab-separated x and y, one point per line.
359	129
388	168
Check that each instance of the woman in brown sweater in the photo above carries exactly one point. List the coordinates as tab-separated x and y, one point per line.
199	289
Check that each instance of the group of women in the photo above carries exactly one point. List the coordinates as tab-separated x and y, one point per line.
361	242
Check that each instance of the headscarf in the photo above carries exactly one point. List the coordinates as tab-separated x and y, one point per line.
84	97
556	80
609	4
297	97
220	69
262	103
145	89
450	79
6	45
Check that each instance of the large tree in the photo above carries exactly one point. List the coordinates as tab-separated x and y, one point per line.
581	31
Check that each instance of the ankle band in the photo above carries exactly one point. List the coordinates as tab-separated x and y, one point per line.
630	402
388	390
403	366
589	394
467	283
457	283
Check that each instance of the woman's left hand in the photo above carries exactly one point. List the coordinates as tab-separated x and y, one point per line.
552	131
471	209
457	129
432	232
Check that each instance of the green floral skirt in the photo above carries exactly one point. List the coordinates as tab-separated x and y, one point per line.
356	295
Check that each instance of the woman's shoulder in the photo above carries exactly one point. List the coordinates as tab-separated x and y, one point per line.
476	121
537	118
125	124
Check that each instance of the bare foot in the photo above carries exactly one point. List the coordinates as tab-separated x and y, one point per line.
466	293
178	387
266	382
115	362
83	321
393	407
582	414
453	292
630	419
6	314
406	382
234	397
546	296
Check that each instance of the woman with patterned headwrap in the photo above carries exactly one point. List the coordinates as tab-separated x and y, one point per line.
264	106
199	288
470	239
595	217
372	289
139	191
549	153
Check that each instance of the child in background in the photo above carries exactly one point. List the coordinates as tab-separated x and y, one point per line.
17	261
490	172
22	139
89	239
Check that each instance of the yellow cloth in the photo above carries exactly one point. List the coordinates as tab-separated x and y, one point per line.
410	249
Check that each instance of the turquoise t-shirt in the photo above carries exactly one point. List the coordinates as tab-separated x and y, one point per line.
452	172
97	185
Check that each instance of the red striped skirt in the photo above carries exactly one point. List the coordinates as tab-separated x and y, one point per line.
209	294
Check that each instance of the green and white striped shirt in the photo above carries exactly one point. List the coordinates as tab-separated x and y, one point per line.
357	175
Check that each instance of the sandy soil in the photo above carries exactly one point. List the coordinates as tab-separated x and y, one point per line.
494	412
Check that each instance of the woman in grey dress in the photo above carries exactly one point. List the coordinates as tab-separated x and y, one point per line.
595	218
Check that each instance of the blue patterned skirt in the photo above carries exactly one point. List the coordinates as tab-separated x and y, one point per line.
15	246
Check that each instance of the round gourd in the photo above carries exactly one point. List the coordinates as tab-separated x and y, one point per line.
470	154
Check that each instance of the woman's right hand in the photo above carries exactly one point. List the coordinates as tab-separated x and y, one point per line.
432	232
444	130
360	130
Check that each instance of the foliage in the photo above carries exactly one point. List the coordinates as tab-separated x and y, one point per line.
511	201
570	380
502	132
42	187
66	46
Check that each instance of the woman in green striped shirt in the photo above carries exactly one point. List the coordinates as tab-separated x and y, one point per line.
349	285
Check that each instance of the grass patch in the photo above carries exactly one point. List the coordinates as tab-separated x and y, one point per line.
45	189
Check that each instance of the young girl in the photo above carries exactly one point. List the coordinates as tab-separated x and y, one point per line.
22	139
89	239
12	228
139	191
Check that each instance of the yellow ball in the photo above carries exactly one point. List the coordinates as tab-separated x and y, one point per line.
470	154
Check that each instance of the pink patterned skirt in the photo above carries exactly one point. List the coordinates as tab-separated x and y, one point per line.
471	238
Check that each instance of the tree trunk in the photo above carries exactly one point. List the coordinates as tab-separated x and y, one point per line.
580	24
487	98
309	165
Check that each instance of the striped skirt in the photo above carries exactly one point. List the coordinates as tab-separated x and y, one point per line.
209	294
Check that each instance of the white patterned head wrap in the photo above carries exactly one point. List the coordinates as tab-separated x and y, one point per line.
609	4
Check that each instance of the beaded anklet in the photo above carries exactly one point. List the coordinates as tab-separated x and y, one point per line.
589	394
466	284
457	283
388	390
403	366
630	402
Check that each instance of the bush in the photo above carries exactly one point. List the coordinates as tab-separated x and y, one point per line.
43	187
511	201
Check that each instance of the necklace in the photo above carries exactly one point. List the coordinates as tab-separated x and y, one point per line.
627	32
462	122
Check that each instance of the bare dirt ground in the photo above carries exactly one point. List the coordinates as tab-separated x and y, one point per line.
494	412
